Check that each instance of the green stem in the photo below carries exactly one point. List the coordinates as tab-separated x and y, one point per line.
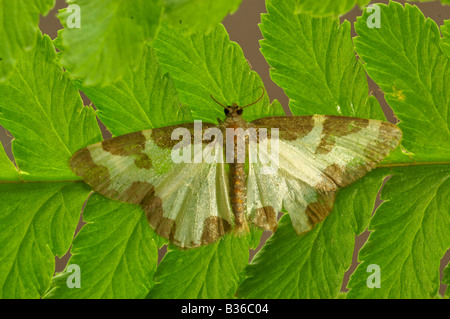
411	164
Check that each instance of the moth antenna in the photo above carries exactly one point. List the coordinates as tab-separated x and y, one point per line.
225	107
264	92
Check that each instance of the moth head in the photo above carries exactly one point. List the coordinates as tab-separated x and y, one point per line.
233	110
236	110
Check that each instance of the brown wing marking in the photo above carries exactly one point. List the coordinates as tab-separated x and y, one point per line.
97	176
162	136
265	218
214	228
290	127
319	210
335	127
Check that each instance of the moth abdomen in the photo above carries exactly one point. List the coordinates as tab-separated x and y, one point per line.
238	196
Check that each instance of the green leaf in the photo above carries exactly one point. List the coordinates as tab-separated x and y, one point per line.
445	41
327	7
409	235
313	60
37	222
115	252
410	230
44	6
199	15
141	100
18	29
110	39
209	272
404	58
446	279
255	237
8	172
43	110
313	265
205	65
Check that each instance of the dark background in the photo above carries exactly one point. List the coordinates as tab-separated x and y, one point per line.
243	28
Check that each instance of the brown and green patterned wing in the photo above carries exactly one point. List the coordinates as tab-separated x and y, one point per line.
188	203
317	155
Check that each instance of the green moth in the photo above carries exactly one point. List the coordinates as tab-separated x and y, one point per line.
194	203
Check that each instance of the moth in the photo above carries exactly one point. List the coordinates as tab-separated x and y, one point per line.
195	203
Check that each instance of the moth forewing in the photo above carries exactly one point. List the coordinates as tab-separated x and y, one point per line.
213	152
182	151
268	150
198	141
